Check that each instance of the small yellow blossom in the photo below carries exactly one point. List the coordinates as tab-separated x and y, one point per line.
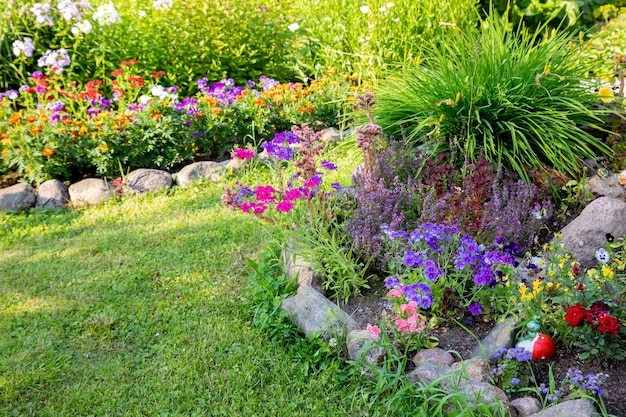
606	94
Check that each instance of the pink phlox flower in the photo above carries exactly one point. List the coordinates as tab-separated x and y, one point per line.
416	325
247	206
313	182
259	208
264	193
374	331
403	325
284	206
240	153
395	293
295	194
410	309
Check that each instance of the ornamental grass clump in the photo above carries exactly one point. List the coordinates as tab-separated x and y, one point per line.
518	98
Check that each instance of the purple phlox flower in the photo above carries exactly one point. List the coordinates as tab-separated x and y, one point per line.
23	88
328	165
476	309
420	293
189	105
268	83
413	259
251	84
92	111
433	235
432	272
11	94
286	137
483	275
55	106
335	186
593	384
393	234
515	381
278	152
54	118
37	75
467	254
136	107
314	181
393	282
493	257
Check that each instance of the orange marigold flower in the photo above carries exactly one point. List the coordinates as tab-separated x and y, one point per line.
48	152
67	122
31	118
157	116
5	152
216	110
259	102
5	141
83	131
36	129
15	118
199	115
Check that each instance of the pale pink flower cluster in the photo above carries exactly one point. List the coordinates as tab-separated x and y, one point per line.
414	323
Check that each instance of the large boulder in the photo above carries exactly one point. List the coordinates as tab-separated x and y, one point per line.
146	180
90	191
606	187
17	197
357	341
52	194
501	336
204	169
588	232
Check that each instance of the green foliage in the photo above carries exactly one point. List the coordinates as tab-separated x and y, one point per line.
190	40
366	39
333	258
518	97
556	13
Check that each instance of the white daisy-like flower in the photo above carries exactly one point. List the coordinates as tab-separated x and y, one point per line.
364	9
293	27
106	15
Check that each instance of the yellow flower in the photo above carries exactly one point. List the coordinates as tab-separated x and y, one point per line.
558	235
607	271
103	147
522	289
5	141
537	286
606	94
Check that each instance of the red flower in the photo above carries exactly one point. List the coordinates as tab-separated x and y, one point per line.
598	310
575	315
117	72
157	74
609	325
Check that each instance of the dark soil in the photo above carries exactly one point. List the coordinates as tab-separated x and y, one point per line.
368	308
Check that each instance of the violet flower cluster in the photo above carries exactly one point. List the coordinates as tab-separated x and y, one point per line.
592	383
438	255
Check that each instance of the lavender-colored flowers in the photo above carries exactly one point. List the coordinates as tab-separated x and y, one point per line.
23	47
476	309
56	60
591	382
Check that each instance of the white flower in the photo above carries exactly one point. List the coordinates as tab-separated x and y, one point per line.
389	5
12	94
396	20
293	27
69	10
142	14
82	27
161	92
144	99
56	60
41	10
106	15
602	255
364	9
332	342
162	4
25	47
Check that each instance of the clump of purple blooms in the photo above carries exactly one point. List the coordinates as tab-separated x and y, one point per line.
590	383
511	372
434	258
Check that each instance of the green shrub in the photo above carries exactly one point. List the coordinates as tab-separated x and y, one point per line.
518	97
189	40
367	38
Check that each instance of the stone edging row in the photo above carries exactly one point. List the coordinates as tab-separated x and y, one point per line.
53	194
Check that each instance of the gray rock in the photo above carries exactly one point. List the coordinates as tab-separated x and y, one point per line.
587	232
357	340
482	392
607	187
425	373
475	368
295	266
526	406
52	194
204	169
501	336
90	191
573	408
233	164
147	180
435	356
330	134
315	315
17	197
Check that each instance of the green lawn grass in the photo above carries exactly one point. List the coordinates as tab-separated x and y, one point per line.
133	307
